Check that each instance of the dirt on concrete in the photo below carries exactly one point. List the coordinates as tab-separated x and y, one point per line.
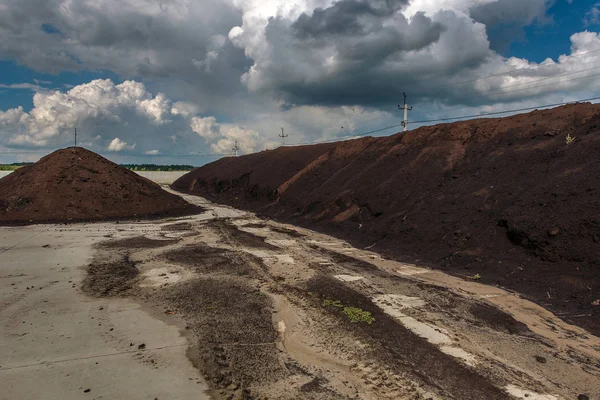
108	278
75	184
311	317
505	201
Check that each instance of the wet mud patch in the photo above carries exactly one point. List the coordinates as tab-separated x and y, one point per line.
237	237
111	278
178	227
236	338
255	225
287	231
498	320
205	259
398	347
138	242
350	263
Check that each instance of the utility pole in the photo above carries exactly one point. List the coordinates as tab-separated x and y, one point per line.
75	137
235	149
406	110
283	136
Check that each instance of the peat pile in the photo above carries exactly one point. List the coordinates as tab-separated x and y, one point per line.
503	200
75	184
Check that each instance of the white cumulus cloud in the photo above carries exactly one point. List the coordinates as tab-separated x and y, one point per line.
117	145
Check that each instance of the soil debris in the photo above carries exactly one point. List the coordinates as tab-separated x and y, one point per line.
110	278
139	242
205	259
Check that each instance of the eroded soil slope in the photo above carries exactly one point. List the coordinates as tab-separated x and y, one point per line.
505	200
76	184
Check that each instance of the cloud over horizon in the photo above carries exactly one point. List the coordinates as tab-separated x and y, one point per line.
198	76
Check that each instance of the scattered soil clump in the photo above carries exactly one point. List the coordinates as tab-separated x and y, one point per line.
138	242
506	200
205	259
75	184
110	278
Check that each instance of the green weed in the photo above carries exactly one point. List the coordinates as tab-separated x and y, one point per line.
356	315
333	303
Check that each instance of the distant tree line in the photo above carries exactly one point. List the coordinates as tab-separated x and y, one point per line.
133	167
154	167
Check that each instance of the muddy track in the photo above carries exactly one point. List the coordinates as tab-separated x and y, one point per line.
280	312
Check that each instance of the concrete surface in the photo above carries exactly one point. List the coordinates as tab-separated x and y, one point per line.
55	342
162	177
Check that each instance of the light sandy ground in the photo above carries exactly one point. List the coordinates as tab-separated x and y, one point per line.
55	342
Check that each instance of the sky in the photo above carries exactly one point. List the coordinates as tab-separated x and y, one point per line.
181	81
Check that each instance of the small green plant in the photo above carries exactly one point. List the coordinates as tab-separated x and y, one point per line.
476	277
570	139
333	303
356	315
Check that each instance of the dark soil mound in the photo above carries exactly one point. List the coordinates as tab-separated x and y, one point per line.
75	184
505	199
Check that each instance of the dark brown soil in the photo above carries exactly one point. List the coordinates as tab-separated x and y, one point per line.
397	346
205	259
112	278
138	242
234	236
75	184
254	225
235	330
506	198
286	231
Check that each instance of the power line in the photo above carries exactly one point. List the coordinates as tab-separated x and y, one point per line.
496	74
539	86
358	135
534	81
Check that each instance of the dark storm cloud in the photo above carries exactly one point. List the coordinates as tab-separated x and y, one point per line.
345	17
505	19
345	54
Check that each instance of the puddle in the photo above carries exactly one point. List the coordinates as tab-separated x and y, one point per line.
523	394
262	232
410	270
348	278
325	243
281	327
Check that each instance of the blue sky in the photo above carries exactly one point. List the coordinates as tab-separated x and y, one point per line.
552	39
189	79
